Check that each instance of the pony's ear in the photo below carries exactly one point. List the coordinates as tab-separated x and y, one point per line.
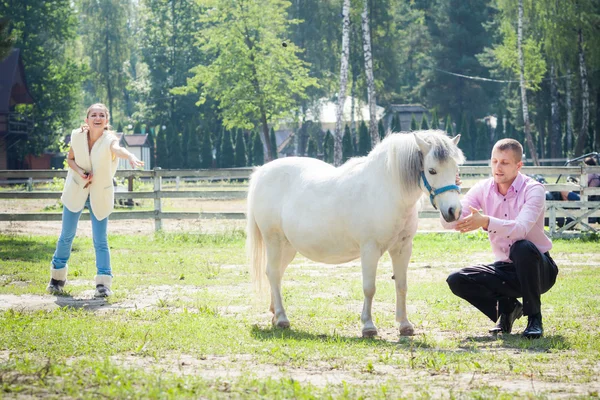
423	145
456	139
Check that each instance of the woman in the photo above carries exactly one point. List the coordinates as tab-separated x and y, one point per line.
92	161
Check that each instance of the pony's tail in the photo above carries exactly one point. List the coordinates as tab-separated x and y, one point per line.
255	246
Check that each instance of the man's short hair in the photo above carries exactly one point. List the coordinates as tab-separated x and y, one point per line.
510	144
590	161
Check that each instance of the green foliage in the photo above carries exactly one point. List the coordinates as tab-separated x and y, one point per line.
328	147
424	122
193	150
253	77
448	126
137	128
311	148
435	121
206	152
227	153
258	153
347	148
395	126
240	149
413	123
483	148
162	150
381	129
45	32
218	141
175	148
364	140
273	140
499	133
6	38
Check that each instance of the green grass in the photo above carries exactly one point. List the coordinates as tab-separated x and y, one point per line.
184	323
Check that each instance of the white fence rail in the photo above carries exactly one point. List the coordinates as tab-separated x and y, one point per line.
562	215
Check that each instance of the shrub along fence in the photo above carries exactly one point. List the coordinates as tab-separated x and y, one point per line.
563	216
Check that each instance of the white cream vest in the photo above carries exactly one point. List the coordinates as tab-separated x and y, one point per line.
101	162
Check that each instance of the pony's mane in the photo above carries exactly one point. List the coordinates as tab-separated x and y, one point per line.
404	161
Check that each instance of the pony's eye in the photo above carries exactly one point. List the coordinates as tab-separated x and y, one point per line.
432	171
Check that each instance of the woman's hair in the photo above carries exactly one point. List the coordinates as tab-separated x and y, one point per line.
108	127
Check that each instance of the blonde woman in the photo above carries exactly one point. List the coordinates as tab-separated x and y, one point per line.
92	161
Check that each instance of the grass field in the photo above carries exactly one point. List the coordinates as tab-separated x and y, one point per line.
184	322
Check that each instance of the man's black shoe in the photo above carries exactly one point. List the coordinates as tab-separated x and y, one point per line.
534	328
506	320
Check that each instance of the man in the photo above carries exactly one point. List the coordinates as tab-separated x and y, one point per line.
512	213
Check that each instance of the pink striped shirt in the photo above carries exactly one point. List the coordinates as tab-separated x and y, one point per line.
516	216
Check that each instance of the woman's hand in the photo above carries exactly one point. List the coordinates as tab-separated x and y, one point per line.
87	177
458	181
134	161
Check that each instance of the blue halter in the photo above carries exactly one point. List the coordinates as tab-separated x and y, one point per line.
434	192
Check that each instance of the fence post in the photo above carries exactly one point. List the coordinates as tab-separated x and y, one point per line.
177	179
583	183
30	184
552	221
157	200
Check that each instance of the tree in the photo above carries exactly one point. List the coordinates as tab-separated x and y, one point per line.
381	129
347	148
369	74
396	126
528	136
193	150
206	151
240	149
137	128
435	121
175	148
328	147
338	148
258	154
45	32
162	151
499	131
273	141
6	38
364	140
255	79
424	122
103	26
218	140
311	148
448	125
227	154
413	123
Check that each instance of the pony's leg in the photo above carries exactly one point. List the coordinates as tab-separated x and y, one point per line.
400	255
369	257
279	255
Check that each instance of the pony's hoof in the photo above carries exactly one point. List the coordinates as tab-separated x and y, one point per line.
369	332
407	331
283	324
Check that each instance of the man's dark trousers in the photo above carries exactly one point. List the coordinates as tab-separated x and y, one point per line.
493	288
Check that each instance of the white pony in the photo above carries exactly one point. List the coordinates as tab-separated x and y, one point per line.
332	215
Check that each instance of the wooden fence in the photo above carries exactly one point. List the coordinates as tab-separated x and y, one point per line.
572	214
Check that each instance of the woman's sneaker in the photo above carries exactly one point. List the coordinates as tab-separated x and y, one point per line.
58	279
102	291
56	287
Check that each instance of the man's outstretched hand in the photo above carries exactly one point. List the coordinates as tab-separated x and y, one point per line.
474	221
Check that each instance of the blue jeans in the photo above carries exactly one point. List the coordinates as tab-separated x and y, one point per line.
67	234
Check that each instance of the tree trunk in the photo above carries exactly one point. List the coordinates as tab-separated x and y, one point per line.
108	87
337	148
597	126
569	149
369	74
585	99
528	137
554	116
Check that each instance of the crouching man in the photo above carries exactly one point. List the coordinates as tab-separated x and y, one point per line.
510	207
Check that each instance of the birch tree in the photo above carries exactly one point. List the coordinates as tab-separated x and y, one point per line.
369	73
528	136
337	148
585	96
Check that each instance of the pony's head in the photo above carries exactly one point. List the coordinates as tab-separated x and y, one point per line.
440	158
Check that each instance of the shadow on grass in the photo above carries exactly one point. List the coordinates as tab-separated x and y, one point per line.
273	333
18	248
516	341
69	301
